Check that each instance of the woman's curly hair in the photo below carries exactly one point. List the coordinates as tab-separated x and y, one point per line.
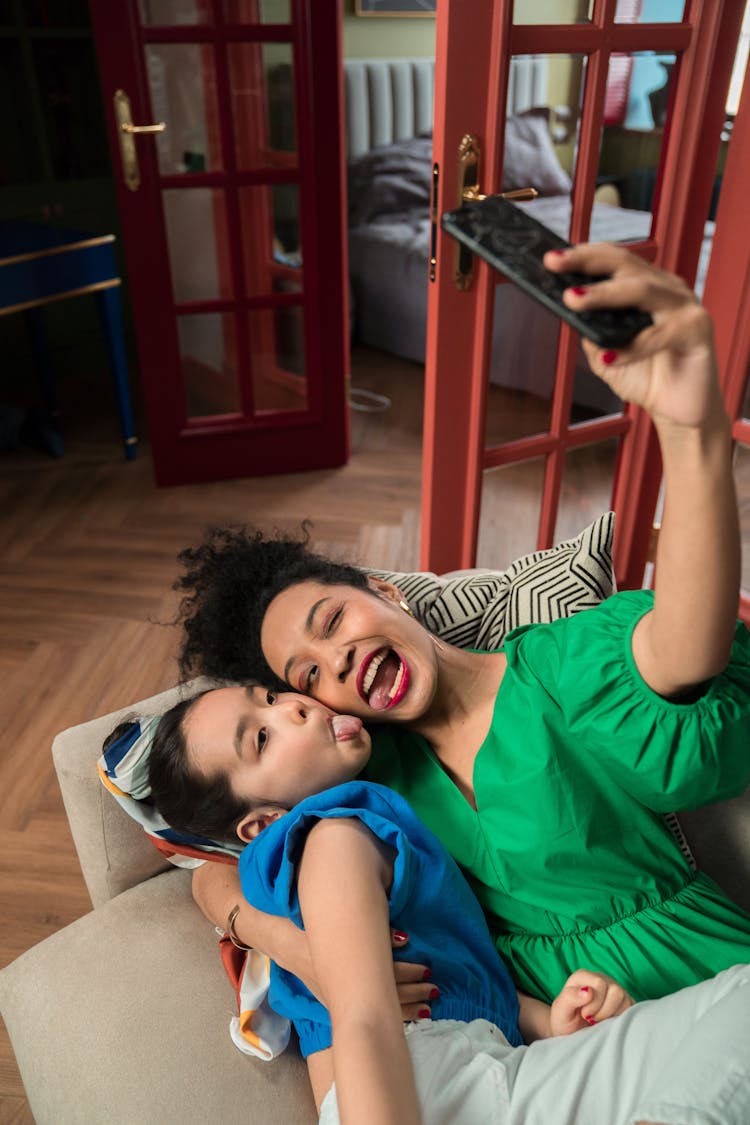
229	581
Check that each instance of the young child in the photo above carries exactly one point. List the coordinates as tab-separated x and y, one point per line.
347	860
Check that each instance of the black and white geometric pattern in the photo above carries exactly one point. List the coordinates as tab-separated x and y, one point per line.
477	608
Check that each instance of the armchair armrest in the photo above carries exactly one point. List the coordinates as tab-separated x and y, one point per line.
113	850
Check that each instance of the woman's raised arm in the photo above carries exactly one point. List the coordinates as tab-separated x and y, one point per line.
669	369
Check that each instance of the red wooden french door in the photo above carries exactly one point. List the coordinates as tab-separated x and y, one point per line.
232	208
472	60
727	296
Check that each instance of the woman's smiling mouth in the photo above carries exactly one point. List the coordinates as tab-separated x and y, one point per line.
383	679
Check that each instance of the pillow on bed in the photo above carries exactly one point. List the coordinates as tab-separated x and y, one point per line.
390	179
476	609
530	159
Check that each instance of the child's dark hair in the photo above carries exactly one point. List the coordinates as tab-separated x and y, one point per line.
187	799
122	728
229	581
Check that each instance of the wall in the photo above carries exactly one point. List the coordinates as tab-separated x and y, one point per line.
374	37
404	36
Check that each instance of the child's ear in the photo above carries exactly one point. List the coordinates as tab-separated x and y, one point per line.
253	824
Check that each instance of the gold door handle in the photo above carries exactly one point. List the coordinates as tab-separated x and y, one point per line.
126	127
127	132
469	155
471	195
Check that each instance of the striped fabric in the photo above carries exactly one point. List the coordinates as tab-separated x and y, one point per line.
476	609
123	770
256	1029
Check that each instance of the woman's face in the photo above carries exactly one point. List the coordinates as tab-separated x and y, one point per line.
356	651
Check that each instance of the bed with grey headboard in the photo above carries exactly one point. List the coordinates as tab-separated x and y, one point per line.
389	122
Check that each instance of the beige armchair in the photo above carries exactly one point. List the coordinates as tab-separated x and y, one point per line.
123	1016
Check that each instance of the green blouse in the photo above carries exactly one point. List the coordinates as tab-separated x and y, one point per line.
567	850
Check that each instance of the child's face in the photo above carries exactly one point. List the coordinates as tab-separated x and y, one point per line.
275	747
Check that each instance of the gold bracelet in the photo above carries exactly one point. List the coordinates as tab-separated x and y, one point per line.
232	933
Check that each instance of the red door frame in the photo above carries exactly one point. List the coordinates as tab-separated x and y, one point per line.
250	442
727	290
687	181
459	324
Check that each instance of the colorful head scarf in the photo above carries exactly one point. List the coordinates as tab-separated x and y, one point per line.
123	769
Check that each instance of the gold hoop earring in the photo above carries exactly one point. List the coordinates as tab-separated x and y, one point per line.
438	644
406	607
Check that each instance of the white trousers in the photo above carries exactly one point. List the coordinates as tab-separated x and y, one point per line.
680	1060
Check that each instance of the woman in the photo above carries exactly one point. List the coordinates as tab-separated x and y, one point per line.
544	767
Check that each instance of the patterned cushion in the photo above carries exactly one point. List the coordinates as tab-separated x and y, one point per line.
475	609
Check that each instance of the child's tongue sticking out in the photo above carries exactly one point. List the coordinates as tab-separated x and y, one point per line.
345	727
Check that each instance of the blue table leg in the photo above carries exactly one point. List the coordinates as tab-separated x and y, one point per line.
45	374
111	317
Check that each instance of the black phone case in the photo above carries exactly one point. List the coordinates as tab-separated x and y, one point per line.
514	243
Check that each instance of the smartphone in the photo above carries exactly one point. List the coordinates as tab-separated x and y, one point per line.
514	243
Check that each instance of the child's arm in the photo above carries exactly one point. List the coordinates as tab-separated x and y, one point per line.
216	889
586	998
342	880
670	370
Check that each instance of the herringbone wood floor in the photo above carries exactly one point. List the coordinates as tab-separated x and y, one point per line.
87	558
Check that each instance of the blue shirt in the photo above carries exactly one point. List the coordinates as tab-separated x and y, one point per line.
429	899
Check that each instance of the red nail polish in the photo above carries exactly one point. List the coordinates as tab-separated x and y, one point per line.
427	974
433	994
590	1020
399	935
585	988
609	357
579	290
424	1013
557	253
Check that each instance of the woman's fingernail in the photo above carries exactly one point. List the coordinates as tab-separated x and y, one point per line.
427	974
399	935
579	290
585	988
433	994
557	253
609	357
590	1020
424	1013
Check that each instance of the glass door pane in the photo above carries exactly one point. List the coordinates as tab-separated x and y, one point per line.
231	202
